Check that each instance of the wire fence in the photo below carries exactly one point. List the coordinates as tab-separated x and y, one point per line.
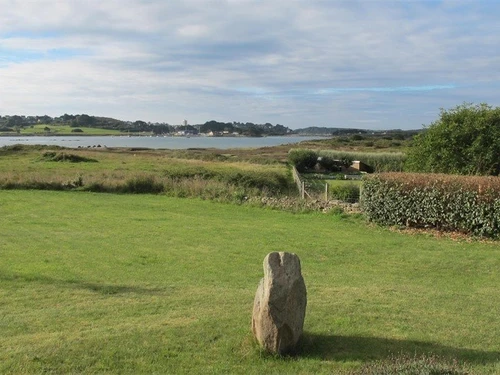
301	185
320	190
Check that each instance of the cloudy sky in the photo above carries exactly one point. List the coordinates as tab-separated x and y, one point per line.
364	64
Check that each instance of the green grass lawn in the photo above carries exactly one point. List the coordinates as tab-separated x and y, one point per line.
67	130
103	283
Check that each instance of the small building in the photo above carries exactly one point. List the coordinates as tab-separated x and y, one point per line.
359	166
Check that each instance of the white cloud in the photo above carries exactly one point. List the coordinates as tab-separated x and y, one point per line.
248	60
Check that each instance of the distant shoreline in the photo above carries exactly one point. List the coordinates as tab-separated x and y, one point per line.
161	136
152	142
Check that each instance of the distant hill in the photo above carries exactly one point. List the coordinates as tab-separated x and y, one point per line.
316	130
396	133
16	123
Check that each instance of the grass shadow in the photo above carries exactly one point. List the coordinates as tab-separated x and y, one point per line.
101	288
360	348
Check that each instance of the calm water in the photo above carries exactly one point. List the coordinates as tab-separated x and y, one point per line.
155	142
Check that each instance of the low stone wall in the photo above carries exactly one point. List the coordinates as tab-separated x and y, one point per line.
296	204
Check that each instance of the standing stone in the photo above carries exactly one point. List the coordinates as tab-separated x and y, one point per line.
280	304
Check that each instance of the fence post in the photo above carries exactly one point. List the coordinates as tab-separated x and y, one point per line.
303	190
326	192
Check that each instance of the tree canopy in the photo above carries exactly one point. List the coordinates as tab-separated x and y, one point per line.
464	140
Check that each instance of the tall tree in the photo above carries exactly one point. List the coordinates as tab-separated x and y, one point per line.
464	140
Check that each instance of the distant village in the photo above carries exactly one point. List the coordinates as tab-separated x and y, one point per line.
11	124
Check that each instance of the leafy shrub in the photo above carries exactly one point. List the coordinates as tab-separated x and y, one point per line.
464	140
452	203
329	164
357	137
303	159
347	192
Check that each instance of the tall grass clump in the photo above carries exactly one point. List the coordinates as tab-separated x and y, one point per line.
379	161
66	157
143	184
413	365
445	202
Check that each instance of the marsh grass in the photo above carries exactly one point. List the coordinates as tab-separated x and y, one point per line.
144	171
107	283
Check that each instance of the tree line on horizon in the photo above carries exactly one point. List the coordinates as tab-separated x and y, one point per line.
17	122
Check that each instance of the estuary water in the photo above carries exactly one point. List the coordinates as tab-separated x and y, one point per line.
155	142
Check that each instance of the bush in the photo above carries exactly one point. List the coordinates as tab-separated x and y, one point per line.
464	140
347	192
303	159
452	203
329	164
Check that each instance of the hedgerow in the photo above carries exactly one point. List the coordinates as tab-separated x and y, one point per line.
446	202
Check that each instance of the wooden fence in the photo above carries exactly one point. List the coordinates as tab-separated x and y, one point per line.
302	186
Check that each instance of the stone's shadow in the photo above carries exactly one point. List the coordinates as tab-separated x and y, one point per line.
106	289
359	348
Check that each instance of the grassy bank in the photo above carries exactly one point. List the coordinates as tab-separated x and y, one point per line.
52	129
143	284
139	171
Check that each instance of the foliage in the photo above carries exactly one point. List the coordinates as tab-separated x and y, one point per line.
379	161
346	191
454	203
329	164
303	159
464	140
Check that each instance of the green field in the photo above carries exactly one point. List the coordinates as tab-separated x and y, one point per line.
66	130
105	283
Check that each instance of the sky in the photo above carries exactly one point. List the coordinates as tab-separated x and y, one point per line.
300	63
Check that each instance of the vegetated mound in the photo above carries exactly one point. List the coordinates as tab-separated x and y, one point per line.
18	148
65	157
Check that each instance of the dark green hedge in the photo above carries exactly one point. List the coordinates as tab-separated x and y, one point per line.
449	203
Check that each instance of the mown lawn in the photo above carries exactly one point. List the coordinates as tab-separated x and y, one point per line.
103	283
67	130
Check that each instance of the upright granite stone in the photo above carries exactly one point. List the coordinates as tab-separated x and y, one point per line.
280	304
